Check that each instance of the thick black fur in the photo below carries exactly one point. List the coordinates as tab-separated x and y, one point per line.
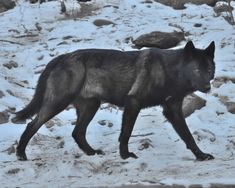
132	79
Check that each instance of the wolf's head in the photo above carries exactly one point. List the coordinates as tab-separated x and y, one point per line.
199	66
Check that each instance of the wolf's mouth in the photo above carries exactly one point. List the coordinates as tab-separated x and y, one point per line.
206	88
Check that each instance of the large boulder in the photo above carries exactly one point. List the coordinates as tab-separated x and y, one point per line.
191	103
179	4
159	39
6	5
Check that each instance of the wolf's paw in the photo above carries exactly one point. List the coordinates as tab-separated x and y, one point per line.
126	155
204	157
21	156
93	152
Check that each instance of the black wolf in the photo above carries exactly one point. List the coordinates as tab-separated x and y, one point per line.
131	79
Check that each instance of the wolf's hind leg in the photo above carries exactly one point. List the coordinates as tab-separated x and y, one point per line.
47	111
86	110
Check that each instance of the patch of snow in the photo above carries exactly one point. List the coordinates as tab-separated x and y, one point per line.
33	34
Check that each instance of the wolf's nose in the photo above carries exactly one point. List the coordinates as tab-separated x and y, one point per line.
208	87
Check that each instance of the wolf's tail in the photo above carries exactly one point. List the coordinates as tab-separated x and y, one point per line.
35	104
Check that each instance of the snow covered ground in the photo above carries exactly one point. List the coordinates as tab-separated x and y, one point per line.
31	35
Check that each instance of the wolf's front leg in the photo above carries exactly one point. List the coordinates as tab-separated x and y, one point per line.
173	112
131	111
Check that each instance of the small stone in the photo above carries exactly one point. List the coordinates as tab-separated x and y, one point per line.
10	65
1	94
77	156
145	144
197	25
61	144
50	124
13	171
62	43
40	57
114	6
4	117
143	166
105	123
67	37
39	71
53	122
230	107
33	1
11	93
10	150
147	1
218	81
76	40
196	186
38	26
102	22
203	134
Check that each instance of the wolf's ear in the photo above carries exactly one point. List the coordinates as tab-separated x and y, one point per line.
210	50
189	48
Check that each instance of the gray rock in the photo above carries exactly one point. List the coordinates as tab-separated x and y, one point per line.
197	25
1	94
159	39
33	1
102	22
230	107
6	5
191	103
147	1
225	10
4	117
218	81
61	144
53	122
145	144
10	65
10	150
204	134
105	123
13	171
179	4
217	185
40	1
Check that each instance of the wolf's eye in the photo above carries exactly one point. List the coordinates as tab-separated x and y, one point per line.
196	72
